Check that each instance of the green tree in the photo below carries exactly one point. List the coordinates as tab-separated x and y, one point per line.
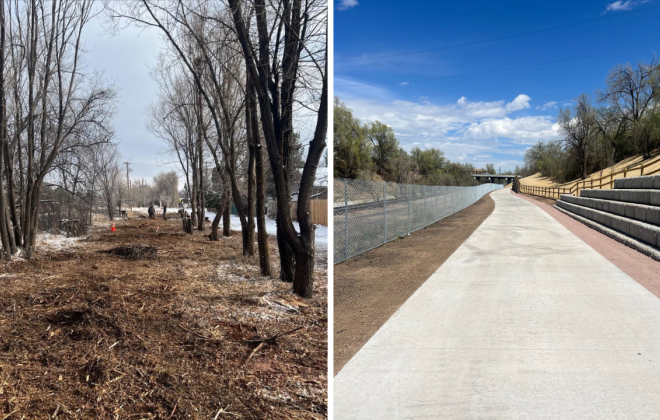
385	145
351	148
490	168
427	161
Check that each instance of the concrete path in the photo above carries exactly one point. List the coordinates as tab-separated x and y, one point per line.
523	321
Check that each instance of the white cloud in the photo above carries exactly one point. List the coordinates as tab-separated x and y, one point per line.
524	130
521	102
620	5
547	105
463	129
346	4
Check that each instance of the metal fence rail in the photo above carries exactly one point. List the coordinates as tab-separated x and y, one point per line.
368	214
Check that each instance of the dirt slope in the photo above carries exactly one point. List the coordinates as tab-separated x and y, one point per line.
537	180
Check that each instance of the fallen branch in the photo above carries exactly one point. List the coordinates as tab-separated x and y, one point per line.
175	406
274	338
197	334
256	349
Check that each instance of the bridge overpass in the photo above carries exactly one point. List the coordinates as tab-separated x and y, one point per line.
494	177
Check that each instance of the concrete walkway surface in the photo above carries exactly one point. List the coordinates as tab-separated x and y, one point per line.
523	321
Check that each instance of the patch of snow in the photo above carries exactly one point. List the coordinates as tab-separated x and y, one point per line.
52	242
271	227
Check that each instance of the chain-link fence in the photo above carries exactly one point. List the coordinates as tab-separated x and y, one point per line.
368	214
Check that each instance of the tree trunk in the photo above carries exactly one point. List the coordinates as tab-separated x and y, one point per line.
252	135
303	284
4	235
287	258
226	219
193	196
214	236
4	225
255	149
200	164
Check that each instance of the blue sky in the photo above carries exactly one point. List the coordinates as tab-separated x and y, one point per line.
497	72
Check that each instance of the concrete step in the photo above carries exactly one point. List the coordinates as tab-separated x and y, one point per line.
651	182
647	233
627	240
640	212
639	196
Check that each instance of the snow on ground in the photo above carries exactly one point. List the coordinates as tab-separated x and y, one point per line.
55	242
271	228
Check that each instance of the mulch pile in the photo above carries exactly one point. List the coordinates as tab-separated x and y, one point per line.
194	332
134	252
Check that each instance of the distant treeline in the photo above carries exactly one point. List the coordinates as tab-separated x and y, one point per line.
362	151
625	123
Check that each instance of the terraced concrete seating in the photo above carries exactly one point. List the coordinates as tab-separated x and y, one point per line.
644	232
638	183
639	212
639	196
629	213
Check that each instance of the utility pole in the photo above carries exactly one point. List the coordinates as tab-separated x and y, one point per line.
128	184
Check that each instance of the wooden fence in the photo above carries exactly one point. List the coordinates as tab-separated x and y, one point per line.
574	188
319	211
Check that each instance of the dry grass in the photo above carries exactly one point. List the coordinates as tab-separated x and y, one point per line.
195	333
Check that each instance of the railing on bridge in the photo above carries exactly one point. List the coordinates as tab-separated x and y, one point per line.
368	214
593	183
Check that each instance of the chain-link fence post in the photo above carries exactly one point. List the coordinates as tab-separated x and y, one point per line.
409	222
435	211
425	211
384	216
346	216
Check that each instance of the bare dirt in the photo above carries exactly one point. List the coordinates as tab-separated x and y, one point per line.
370	287
195	333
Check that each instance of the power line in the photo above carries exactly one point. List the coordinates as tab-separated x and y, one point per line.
492	71
492	39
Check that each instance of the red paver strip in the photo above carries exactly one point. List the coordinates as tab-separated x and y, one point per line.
643	269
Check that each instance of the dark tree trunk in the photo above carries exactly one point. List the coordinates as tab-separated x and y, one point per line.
226	219
187	224
304	266
248	230
255	149
287	259
215	236
7	249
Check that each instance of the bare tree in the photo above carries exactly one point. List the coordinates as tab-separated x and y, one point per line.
633	93
106	160
579	128
53	105
288	34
